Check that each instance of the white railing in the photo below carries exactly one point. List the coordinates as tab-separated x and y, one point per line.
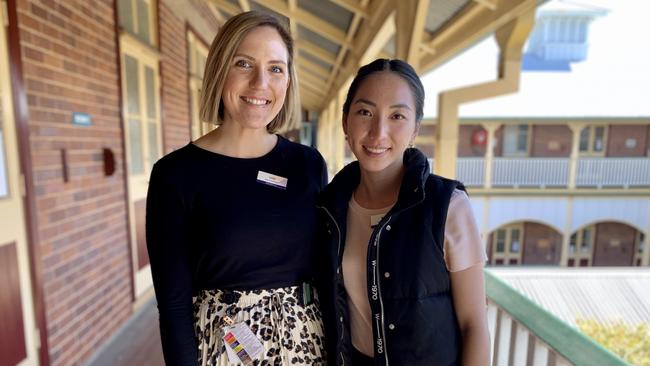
471	171
553	172
613	172
530	172
523	333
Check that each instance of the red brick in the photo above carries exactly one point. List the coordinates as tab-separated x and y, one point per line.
551	141
618	136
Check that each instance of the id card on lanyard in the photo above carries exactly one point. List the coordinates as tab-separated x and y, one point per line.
242	346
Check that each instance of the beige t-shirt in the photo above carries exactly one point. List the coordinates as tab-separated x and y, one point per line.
463	249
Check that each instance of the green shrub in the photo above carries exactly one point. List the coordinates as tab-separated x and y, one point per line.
631	343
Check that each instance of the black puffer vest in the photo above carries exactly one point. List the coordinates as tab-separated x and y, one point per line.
414	322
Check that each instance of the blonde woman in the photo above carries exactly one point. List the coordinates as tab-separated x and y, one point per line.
231	217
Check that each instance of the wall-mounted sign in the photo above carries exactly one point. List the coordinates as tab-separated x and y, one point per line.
81	119
630	143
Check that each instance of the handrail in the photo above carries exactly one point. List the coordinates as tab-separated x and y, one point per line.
570	343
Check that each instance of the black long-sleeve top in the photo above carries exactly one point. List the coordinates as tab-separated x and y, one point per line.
211	224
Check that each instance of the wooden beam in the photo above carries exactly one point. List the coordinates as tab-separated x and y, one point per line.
386	55
470	25
244	5
307	97
314	89
227	7
382	36
310	92
381	10
293	25
306	19
352	30
315	51
217	14
353	6
426	48
410	17
312	67
490	4
313	79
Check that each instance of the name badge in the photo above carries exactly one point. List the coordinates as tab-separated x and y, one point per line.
272	179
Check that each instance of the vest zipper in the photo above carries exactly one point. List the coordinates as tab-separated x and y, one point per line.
338	255
381	300
378	282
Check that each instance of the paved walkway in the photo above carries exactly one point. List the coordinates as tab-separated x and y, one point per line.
136	344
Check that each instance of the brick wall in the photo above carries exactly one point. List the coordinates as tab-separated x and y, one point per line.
174	61
542	245
466	147
647	140
68	52
614	244
630	140
175	93
551	141
498	142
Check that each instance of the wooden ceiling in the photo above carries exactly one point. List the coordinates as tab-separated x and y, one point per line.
334	37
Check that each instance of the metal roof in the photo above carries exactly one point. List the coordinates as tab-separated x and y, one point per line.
607	294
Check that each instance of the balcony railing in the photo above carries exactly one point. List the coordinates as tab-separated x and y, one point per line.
530	172
613	172
555	172
523	333
472	170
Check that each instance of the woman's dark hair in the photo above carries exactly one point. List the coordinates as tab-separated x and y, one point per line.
400	68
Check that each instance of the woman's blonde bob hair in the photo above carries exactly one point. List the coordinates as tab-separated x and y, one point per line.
223	48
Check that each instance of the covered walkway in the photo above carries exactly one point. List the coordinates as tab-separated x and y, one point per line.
136	343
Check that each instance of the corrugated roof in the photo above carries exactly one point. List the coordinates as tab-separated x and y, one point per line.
607	295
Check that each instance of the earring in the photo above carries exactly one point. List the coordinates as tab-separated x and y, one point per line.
411	146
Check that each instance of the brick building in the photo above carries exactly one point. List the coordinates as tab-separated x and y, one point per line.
93	92
75	67
567	178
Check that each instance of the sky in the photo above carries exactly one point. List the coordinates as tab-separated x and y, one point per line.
614	80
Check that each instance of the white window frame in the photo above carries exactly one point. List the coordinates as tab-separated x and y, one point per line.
590	151
508	255
516	152
577	249
195	74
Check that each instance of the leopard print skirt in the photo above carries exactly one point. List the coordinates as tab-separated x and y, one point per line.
292	334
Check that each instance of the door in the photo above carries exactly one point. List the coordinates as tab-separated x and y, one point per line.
18	334
142	134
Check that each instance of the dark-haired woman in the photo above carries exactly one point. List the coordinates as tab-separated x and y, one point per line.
404	275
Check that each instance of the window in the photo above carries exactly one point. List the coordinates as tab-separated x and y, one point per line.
515	140
581	247
141	115
142	120
592	140
640	247
136	17
197	56
508	245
